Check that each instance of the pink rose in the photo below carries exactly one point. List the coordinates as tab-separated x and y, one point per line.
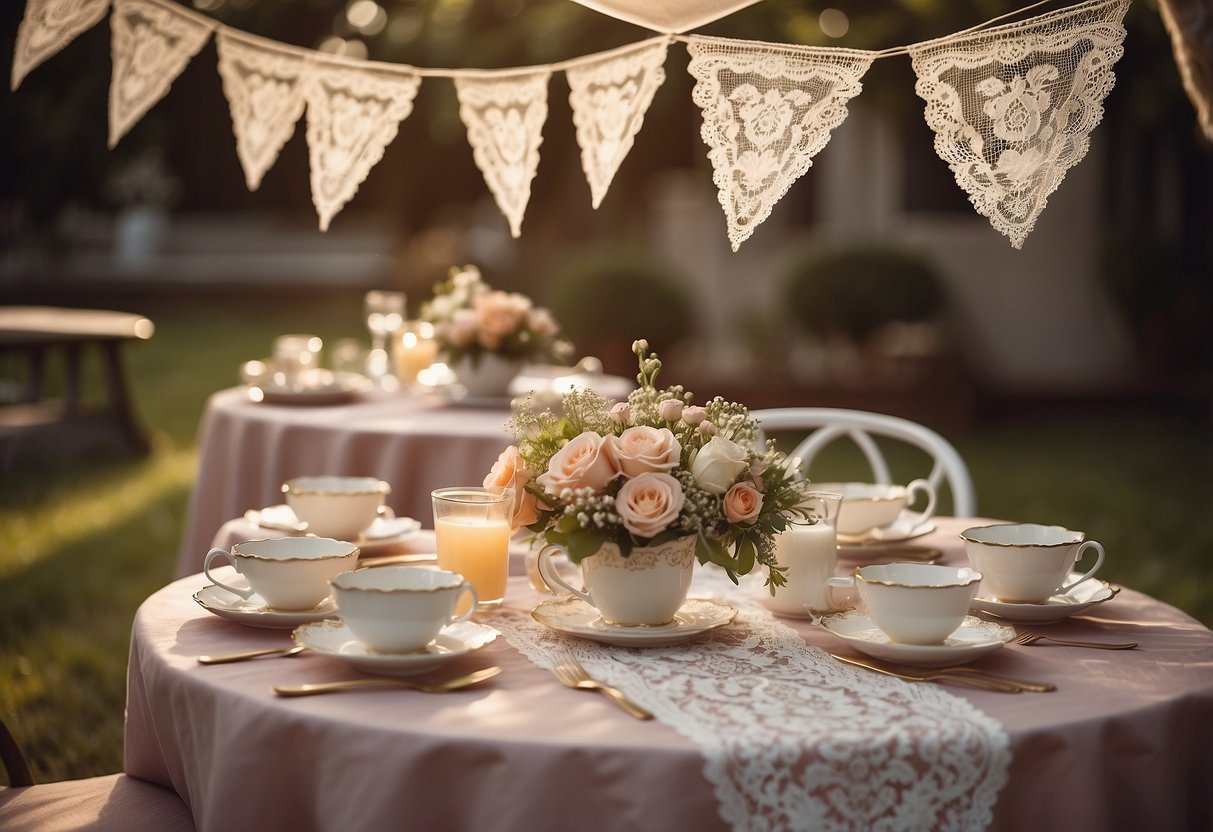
582	463
670	410
648	504
508	472
742	503
642	449
541	322
693	415
707	428
498	315
621	413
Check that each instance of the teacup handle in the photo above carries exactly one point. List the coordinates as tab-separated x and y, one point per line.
551	576
206	570
838	582
1090	573
464	616
386	513
926	488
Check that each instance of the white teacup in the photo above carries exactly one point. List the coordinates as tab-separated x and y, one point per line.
869	505
914	603
340	507
400	609
290	573
1027	562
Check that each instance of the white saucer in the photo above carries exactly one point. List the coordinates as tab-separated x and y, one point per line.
577	618
254	611
334	639
323	387
1059	607
973	639
907	526
383	533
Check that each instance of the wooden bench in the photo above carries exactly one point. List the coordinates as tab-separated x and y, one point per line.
29	426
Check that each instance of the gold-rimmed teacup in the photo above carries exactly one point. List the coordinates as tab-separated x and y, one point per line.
914	603
289	573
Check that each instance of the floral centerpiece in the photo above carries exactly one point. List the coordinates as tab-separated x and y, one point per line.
634	475
472	320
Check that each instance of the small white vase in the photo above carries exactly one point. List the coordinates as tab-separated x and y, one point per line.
644	589
487	376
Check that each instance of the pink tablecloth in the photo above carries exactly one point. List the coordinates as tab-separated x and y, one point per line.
246	451
1122	744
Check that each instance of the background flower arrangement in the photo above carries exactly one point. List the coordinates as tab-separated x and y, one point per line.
649	470
471	319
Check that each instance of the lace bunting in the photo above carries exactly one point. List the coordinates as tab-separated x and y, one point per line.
352	116
504	115
47	27
767	111
609	100
264	91
1013	107
792	739
151	46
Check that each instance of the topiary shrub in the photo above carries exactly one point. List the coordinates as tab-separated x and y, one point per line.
853	292
606	298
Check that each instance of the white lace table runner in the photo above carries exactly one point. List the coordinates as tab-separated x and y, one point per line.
792	739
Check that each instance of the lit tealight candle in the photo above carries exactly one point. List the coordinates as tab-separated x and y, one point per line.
415	351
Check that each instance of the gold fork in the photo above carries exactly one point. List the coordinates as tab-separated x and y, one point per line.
570	672
1026	638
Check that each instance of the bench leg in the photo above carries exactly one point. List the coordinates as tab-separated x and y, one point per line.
119	397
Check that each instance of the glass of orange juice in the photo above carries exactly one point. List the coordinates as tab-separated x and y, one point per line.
472	525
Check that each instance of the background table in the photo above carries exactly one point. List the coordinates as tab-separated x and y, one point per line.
247	449
1123	743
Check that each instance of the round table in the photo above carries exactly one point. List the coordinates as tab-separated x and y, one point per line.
248	449
1123	742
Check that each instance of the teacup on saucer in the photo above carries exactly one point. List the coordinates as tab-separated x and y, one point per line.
867	505
914	603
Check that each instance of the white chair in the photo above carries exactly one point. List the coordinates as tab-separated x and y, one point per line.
828	424
113	802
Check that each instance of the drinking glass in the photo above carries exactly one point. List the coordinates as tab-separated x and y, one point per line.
295	356
472	526
384	318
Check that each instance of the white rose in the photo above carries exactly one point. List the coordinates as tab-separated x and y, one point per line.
718	463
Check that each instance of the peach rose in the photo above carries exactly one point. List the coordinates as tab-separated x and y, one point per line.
643	449
742	503
508	472
499	315
582	463
621	413
670	409
649	503
693	415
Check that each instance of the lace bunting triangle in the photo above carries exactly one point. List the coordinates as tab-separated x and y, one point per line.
47	27
504	115
767	111
264	92
609	99
151	46
353	114
1013	107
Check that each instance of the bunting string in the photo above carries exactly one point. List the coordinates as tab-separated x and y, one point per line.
1012	106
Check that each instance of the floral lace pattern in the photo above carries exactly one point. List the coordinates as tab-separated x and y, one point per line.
767	111
609	100
47	27
1013	107
150	48
675	553
504	116
264	91
819	745
352	115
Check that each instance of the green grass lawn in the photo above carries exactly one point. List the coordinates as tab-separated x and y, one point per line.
83	543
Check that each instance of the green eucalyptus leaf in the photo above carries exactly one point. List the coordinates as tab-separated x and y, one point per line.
583	543
746	553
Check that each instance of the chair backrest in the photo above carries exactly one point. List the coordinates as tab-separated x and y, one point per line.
828	424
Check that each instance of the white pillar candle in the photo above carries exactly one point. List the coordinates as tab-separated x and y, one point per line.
810	554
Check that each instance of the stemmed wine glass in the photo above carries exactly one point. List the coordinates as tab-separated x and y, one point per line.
384	318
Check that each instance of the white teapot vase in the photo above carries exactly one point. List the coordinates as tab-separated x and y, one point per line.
487	375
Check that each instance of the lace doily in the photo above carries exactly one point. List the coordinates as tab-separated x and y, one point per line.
47	27
609	99
1013	107
264	90
792	739
504	116
352	115
150	48
767	111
